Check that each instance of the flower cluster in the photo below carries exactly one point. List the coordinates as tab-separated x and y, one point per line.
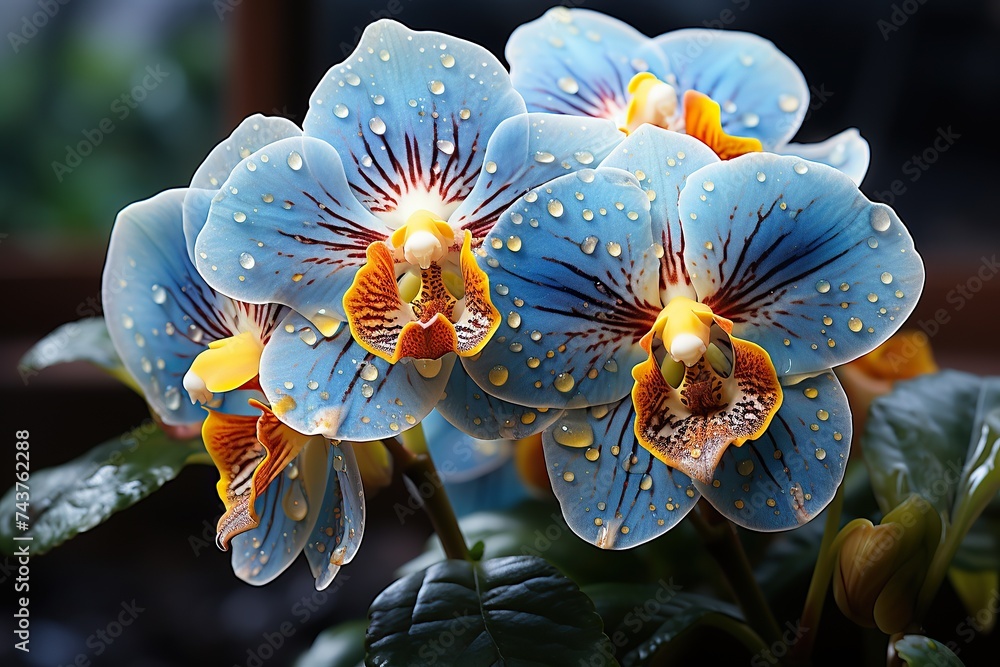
614	245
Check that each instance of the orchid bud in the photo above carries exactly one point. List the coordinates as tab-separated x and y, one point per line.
880	569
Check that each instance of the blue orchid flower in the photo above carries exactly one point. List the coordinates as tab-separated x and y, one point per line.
734	91
412	148
687	320
184	343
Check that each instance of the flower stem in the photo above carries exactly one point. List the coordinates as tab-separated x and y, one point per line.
720	539
812	610
425	485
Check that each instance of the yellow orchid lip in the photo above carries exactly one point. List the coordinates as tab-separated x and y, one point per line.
227	364
700	389
425	317
655	102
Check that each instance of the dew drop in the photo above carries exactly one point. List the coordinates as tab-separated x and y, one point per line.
592	454
513	319
646	482
751	120
584	157
491	167
568	84
544	157
555	208
761	177
377	125
614	249
352	78
514	243
246	260
445	146
823	286
293	503
855	325
172	397
308	336
708	186
886	278
159	295
788	103
498	375
435	87
820	453
811	392
368	372
800	168
447	61
564	382
367	391
745	467
880	219
568	476
341	111
240	216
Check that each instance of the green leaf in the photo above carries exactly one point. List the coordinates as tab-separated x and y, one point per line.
939	436
340	646
502	611
920	651
78	495
641	619
83	340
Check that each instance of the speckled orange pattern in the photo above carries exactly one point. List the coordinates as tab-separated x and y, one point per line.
231	441
690	427
374	310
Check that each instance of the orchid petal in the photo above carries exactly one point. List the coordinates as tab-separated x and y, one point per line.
334	387
486	417
460	457
662	161
160	313
574	275
798	259
410	113
526	151
578	62
612	491
336	536
762	93
787	476
847	152
288	510
254	133
285	228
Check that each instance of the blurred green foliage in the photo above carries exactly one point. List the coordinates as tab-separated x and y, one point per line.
76	88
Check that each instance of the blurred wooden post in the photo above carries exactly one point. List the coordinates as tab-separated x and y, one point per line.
269	52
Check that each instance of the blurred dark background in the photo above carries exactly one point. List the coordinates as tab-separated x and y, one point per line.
901	72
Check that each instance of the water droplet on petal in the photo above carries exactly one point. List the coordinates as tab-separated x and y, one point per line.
788	103
855	325
435	87
447	61
246	260
377	125
823	286
568	84
366	390
800	168
498	375
564	382
341	111
293	503
446	146
880	219
159	295
555	208
584	157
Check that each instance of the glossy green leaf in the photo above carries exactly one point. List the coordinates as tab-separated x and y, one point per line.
920	651
502	611
642	619
339	646
939	436
76	496
83	340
